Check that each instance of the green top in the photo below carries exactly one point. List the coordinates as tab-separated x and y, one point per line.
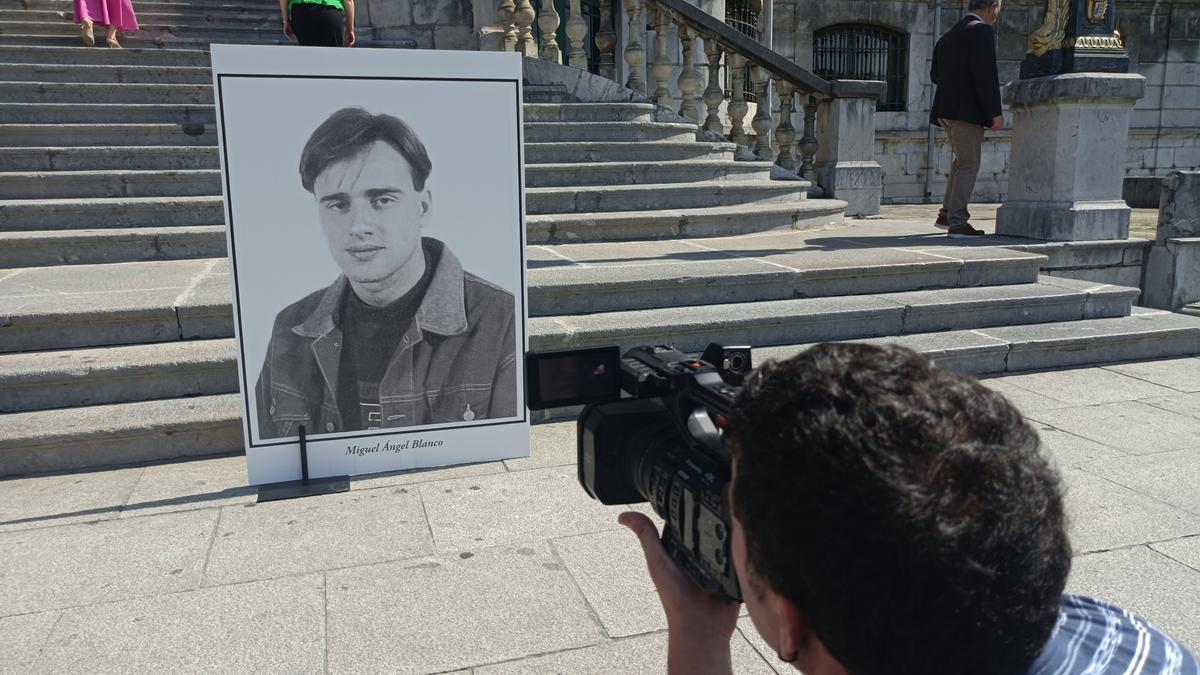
336	4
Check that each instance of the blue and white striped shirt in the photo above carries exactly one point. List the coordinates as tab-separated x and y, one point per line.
1095	638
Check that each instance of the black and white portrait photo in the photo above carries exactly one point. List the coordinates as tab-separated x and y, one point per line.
376	236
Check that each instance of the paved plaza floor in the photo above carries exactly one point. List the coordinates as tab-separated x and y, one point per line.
505	567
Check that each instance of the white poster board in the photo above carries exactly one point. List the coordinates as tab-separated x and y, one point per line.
375	218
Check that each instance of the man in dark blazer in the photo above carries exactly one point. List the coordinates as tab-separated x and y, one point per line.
966	103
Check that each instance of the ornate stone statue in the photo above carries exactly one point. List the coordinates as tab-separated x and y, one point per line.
1053	31
1076	36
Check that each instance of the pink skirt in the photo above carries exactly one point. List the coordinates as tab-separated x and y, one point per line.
117	13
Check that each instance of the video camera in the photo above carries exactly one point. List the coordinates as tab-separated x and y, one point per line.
660	444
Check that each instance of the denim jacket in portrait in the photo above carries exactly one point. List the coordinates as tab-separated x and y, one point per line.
455	362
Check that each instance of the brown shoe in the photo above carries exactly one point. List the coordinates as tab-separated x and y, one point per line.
942	221
86	34
964	230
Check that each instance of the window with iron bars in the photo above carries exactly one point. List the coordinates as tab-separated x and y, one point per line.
859	52
742	16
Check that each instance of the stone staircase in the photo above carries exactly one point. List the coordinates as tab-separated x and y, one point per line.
115	324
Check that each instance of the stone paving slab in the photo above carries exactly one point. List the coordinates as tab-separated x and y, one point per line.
271	626
1103	515
1068	450
23	637
1147	583
1130	426
1086	386
611	572
57	567
466	514
282	538
1181	374
189	485
552	445
46	501
1027	401
1184	404
629	656
1170	477
449	612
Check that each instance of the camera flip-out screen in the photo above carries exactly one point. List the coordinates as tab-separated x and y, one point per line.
574	377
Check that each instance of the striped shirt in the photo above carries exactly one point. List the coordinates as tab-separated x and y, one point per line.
1095	638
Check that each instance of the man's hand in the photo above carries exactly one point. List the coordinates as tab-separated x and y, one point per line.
350	37
287	29
997	123
699	625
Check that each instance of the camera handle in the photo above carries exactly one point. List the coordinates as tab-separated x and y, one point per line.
702	428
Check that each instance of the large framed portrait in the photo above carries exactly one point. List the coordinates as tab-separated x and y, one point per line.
375	218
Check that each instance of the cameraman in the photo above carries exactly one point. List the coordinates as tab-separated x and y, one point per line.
894	517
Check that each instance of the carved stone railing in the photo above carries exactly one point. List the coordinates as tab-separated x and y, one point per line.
834	146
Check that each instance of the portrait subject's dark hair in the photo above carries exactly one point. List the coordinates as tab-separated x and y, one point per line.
906	508
350	131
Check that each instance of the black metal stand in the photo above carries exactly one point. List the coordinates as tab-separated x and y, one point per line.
304	487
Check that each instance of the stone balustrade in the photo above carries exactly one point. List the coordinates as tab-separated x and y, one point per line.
708	48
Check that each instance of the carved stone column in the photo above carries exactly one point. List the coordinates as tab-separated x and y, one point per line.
762	118
548	21
577	30
505	14
635	54
738	107
523	18
713	94
845	160
785	133
661	69
606	41
808	142
689	80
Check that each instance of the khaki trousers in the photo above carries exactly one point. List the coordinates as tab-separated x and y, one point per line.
966	139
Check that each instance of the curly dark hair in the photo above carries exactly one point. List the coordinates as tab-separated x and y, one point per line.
350	131
906	508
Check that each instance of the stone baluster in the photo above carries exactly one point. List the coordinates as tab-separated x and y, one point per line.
762	118
548	21
577	30
606	41
785	133
688	81
713	94
635	54
808	142
523	18
737	104
661	69
504	14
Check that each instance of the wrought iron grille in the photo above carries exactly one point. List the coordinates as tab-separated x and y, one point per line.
858	52
742	17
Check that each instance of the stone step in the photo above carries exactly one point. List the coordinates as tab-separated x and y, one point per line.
79	54
194	38
107	113
628	132
39	380
90	92
131	157
1144	334
81	247
668	223
576	200
59	135
553	153
198	29
642	173
83	377
125	303
176	15
90	214
154	6
123	433
589	112
84	184
77	73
